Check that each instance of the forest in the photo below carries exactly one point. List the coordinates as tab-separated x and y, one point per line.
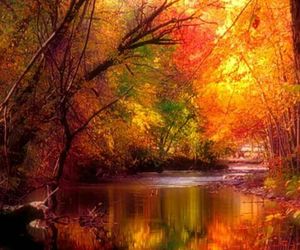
114	95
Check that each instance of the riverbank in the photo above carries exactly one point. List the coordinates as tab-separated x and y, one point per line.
253	184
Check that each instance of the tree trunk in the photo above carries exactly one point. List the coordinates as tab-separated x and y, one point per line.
62	158
295	12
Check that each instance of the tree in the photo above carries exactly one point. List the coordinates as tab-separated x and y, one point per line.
295	10
64	72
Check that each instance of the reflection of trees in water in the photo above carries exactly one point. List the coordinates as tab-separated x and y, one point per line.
264	234
87	231
294	237
172	218
162	219
52	241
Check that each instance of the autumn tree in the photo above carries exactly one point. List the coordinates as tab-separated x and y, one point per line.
62	69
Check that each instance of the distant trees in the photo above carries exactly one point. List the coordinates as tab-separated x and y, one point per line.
249	89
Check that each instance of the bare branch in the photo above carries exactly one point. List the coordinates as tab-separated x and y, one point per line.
138	36
70	15
95	114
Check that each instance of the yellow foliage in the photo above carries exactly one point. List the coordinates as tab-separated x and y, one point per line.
144	117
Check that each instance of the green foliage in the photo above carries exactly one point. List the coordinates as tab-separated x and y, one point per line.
293	186
145	51
288	186
170	108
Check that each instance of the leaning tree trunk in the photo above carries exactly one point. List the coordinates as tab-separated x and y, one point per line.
295	13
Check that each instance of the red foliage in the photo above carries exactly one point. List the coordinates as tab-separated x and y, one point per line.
256	22
195	44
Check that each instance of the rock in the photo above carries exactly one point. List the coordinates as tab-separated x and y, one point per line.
14	223
17	218
38	230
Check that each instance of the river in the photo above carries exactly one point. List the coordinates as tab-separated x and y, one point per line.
172	210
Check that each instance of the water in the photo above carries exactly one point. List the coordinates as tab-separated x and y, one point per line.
170	212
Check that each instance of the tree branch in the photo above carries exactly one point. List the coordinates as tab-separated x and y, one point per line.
86	123
136	37
70	15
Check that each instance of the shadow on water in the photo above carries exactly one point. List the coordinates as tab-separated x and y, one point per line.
19	243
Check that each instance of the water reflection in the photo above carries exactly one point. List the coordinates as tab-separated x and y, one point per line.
141	217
